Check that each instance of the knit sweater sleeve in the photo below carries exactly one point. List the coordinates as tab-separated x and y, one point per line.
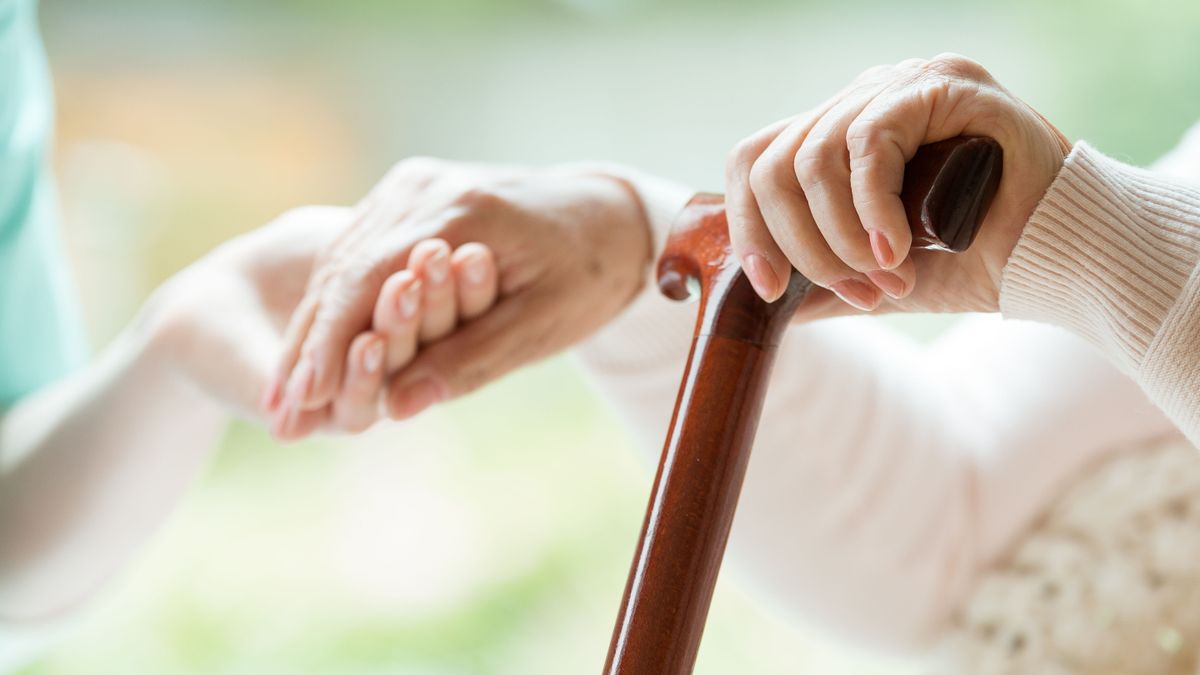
1112	253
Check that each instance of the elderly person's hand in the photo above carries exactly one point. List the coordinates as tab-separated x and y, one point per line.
572	248
820	191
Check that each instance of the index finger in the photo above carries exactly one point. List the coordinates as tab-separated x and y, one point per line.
761	258
884	137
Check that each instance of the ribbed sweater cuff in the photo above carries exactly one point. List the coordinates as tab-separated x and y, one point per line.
1106	254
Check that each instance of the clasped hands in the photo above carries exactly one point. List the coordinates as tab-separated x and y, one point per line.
449	275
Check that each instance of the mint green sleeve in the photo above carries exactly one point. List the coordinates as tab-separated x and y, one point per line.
41	336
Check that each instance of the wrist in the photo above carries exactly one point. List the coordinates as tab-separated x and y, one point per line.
155	330
1035	170
659	200
628	238
163	335
639	244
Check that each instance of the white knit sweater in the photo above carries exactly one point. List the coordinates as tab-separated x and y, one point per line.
907	531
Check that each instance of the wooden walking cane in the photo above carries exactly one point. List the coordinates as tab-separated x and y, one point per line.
948	187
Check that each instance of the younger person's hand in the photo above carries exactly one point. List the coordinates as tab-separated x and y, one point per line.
820	191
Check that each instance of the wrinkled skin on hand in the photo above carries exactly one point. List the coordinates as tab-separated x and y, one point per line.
820	191
572	248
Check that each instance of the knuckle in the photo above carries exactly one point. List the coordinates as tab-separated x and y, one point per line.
865	136
956	66
480	199
757	178
938	93
741	158
817	160
461	224
760	180
764	177
473	210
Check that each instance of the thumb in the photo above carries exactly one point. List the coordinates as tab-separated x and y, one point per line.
512	334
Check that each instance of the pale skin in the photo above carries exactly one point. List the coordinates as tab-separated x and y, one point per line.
417	306
817	192
79	493
537	261
571	247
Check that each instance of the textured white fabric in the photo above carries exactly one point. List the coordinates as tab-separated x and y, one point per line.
1107	584
1112	254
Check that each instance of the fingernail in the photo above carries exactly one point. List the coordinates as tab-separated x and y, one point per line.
373	357
417	397
475	269
762	277
438	267
410	299
301	384
891	284
882	250
856	293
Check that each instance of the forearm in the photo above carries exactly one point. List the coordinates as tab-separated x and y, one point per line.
89	467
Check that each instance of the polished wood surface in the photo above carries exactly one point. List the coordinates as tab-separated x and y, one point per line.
947	189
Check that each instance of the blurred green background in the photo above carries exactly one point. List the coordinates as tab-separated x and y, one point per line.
491	536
